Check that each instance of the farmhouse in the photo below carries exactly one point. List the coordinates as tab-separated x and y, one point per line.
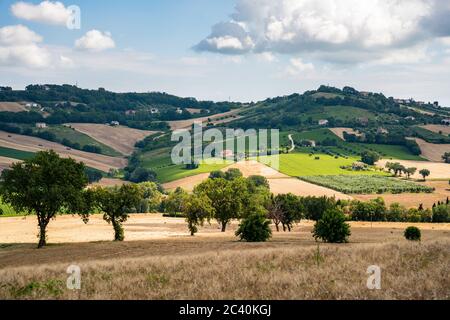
382	131
179	111
323	122
410	118
115	123
226	154
446	122
154	110
41	125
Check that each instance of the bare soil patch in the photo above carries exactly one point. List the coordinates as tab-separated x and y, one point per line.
433	152
11	107
32	144
122	139
438	128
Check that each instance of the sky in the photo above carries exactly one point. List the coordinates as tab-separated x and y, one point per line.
240	50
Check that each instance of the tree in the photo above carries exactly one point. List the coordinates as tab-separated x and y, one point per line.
259	181
227	198
410	172
291	209
115	204
425	173
174	203
45	186
275	213
332	228
413	234
197	209
315	207
93	175
446	157
151	197
254	228
370	157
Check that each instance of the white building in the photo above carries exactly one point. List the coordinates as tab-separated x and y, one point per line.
115	123
323	122
41	125
179	111
154	110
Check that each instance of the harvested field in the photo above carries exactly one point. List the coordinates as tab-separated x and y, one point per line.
122	139
438	128
340	132
173	265
107	182
194	111
433	152
439	170
414	200
32	144
216	119
11	107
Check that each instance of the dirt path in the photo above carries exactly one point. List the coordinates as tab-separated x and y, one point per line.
32	144
292	143
122	139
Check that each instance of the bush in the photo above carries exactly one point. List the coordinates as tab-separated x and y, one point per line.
332	228
413	234
441	213
370	157
254	228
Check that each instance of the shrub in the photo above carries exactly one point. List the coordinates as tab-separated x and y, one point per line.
441	213
413	234
332	228
254	228
370	157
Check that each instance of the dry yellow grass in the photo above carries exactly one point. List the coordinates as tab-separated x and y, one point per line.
122	139
32	144
340	132
11	107
439	170
414	200
438	128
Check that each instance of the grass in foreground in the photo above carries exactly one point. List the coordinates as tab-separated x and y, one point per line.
367	185
409	271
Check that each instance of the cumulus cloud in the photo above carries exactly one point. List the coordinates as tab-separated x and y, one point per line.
298	66
45	12
365	29
19	46
95	40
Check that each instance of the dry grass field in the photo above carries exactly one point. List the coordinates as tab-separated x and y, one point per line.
433	152
32	144
340	132
414	200
122	139
438	128
183	124
5	163
168	264
439	170
11	107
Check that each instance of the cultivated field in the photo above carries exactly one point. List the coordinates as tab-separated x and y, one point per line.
166	263
439	170
32	144
5	163
414	200
122	139
433	152
11	107
438	128
216	119
340	132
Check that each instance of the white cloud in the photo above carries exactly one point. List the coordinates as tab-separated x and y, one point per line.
46	12
95	40
19	47
365	29
266	57
298	66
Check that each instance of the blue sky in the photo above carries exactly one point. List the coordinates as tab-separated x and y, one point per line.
231	49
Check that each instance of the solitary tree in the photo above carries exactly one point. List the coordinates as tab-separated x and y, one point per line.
370	157
410	172
291	209
446	157
425	173
45	186
115	204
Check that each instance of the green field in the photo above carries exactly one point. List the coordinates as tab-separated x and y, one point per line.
367	185
161	162
348	149
338	112
63	132
15	154
301	164
7	211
